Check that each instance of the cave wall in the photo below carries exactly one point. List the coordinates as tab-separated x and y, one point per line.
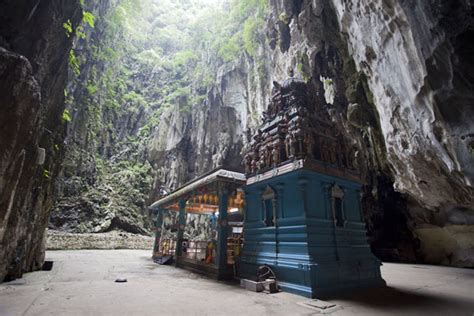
33	70
105	178
417	58
188	144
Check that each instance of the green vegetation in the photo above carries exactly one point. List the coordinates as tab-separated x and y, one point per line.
68	28
140	60
74	63
250	34
145	56
66	116
87	19
46	174
283	17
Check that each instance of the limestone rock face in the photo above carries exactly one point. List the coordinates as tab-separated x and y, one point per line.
105	178
211	135
418	61
419	68
33	70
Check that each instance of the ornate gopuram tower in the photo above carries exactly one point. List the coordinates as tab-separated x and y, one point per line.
303	214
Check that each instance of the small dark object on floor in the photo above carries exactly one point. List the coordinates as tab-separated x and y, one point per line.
47	266
120	280
164	260
273	287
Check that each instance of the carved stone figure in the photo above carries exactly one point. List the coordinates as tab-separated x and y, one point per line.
253	165
288	146
332	153
309	144
325	155
276	152
248	163
292	145
268	155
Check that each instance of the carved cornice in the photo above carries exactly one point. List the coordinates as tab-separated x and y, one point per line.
310	165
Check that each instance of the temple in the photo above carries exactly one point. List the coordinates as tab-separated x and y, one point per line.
199	225
301	214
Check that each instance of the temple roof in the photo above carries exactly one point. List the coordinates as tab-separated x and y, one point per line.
219	175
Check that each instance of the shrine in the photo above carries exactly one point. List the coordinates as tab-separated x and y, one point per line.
296	211
199	225
303	216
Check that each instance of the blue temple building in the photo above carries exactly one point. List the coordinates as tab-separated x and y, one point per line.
303	215
305	222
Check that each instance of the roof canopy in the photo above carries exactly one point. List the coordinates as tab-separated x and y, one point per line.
219	176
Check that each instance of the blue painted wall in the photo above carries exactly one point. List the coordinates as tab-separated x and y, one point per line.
309	254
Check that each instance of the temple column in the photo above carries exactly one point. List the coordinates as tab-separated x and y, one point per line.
222	229
181	224
327	200
279	209
281	212
303	182
158	224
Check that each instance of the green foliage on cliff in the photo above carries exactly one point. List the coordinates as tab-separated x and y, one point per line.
141	59
66	116
250	34
229	49
68	28
74	63
147	55
88	18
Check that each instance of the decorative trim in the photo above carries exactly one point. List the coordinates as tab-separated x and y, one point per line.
307	164
230	177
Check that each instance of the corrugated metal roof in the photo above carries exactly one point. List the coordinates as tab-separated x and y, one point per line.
219	175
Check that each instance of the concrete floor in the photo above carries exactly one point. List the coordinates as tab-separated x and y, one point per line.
82	283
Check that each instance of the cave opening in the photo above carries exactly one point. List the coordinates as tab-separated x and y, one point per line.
358	117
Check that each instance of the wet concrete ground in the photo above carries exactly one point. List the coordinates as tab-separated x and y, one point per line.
82	283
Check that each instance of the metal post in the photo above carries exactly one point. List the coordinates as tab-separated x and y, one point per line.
158	224
222	229
181	224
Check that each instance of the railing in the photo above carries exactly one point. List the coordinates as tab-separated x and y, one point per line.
199	250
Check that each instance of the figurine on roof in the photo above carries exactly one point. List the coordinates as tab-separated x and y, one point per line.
294	90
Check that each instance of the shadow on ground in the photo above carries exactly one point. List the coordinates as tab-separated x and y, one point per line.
398	299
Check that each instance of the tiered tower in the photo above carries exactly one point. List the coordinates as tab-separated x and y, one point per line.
303	213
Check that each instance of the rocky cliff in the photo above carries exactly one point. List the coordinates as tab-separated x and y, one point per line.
105	178
417	58
33	70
